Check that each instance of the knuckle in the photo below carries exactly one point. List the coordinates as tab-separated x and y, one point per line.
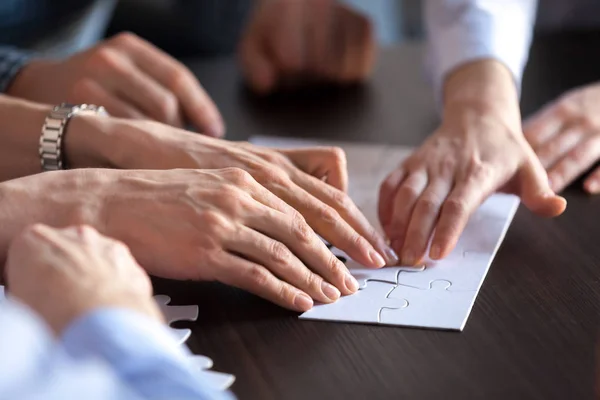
335	266
239	176
456	207
328	215
213	220
125	39
280	254
258	275
428	204
408	192
168	107
272	174
301	231
342	200
179	78
338	154
478	171
105	59
448	164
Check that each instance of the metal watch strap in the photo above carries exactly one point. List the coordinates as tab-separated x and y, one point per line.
53	131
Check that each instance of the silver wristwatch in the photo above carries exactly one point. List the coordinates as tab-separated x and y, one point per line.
53	132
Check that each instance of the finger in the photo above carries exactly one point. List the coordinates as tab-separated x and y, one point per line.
559	145
322	162
542	126
284	39
387	192
89	91
535	191
174	76
592	182
297	235
135	87
575	163
326	220
352	215
356	45
258	69
266	197
455	213
282	263
247	275
319	25
423	220
403	205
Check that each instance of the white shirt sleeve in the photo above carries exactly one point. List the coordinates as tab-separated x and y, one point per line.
460	31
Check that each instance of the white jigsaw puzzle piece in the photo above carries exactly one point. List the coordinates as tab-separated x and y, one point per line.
364	274
385	274
177	313
436	307
201	362
465	268
218	380
362	306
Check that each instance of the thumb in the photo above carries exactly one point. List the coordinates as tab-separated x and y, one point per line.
328	163
535	192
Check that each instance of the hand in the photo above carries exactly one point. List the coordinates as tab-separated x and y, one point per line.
128	76
566	137
64	274
313	180
476	151
290	40
191	224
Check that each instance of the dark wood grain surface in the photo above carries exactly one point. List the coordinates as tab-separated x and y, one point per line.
533	331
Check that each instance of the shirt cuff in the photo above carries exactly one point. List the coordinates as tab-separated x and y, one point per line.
12	60
120	336
476	31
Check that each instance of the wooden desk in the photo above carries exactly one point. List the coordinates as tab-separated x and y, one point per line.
533	331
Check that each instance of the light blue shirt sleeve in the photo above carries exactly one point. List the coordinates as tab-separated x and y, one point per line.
109	354
460	31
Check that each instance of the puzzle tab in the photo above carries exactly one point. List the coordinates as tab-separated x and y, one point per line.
433	307
363	306
202	364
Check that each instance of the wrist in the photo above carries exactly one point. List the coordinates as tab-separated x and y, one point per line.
89	142
58	199
484	87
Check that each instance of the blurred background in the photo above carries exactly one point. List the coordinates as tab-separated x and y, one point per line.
395	21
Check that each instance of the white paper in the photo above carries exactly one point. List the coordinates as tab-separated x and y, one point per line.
441	294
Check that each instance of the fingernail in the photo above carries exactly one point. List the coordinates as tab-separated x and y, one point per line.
435	252
391	256
408	257
396	245
303	302
376	258
351	283
330	291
